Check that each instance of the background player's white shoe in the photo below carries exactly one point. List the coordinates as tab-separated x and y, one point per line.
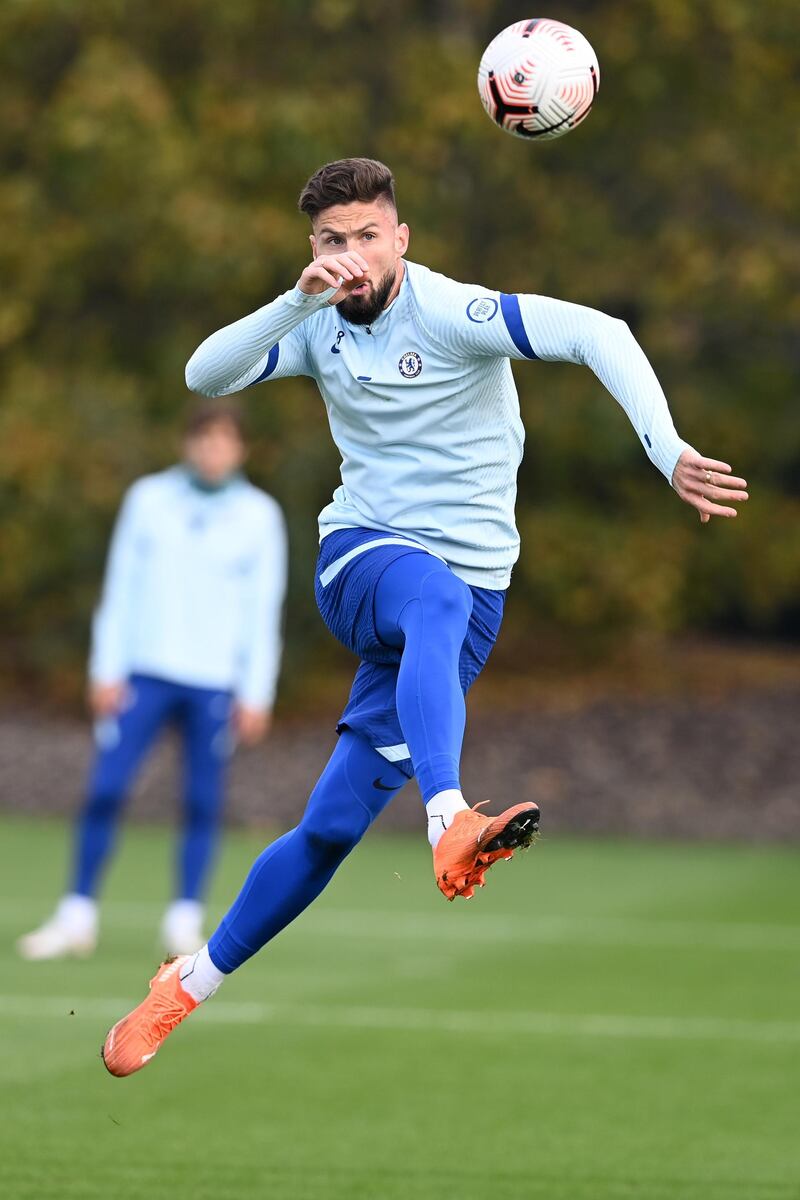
70	933
182	927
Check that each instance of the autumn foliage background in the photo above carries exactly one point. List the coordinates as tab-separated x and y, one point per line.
151	159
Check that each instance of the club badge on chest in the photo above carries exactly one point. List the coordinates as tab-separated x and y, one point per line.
410	364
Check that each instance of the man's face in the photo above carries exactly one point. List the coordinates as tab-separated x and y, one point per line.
214	452
372	230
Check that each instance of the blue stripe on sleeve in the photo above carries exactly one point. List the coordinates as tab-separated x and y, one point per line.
272	362
509	306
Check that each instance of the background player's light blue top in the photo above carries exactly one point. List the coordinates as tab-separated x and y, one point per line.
194	588
422	404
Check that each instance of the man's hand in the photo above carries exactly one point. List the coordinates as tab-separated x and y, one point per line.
251	724
343	271
105	699
707	485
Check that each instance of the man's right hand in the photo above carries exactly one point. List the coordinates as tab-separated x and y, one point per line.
343	271
105	699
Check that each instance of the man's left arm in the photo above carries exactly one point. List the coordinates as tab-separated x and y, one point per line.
538	327
265	587
559	331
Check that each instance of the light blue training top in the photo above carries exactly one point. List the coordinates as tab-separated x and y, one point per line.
194	588
422	404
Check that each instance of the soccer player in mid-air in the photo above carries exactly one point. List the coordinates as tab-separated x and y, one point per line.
417	544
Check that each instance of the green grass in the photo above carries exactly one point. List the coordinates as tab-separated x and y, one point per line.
607	1021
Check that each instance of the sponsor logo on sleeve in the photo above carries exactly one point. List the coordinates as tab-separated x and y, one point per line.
410	364
482	309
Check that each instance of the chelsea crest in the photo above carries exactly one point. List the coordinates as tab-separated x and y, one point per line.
410	364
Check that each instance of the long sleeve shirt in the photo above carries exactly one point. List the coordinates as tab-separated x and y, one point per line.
194	588
422	403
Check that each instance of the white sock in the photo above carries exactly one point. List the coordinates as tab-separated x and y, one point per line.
441	809
78	914
199	977
184	912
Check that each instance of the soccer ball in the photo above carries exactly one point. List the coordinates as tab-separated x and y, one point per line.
538	79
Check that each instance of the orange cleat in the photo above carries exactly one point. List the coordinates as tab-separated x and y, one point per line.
469	846
133	1041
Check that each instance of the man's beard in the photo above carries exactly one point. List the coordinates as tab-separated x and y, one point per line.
363	310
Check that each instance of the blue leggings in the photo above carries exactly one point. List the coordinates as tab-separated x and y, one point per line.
202	715
423	609
354	788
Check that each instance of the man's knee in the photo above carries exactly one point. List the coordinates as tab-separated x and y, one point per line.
203	817
203	798
102	804
446	598
333	832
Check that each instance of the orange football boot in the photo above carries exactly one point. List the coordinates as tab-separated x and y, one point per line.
473	842
133	1041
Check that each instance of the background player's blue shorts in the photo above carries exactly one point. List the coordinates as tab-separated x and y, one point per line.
345	582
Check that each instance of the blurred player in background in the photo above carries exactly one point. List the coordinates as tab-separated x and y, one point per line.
187	634
417	545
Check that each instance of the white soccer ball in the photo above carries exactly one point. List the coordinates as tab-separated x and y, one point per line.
538	79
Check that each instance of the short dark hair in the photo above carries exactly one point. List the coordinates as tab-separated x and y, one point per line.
205	413
346	181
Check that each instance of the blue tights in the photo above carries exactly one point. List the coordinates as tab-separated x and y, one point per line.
422	608
202	715
354	788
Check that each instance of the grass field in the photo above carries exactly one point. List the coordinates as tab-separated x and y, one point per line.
607	1021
